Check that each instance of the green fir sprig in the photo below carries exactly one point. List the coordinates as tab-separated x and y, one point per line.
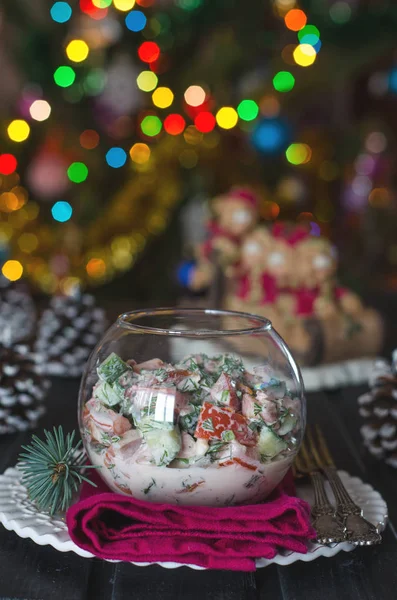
52	470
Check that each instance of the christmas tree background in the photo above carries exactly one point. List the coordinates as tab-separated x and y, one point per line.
116	117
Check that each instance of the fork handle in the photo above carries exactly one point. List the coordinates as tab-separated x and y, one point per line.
327	525
345	505
358	530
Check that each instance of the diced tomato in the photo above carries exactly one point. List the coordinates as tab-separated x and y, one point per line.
214	420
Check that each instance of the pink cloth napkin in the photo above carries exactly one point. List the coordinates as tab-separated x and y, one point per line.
117	527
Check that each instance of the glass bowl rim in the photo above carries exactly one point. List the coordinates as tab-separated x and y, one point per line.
264	325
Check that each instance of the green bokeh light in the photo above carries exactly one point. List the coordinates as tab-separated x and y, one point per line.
340	12
64	76
309	30
283	81
151	125
77	172
248	110
95	82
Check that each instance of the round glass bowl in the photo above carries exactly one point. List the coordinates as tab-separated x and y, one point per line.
185	406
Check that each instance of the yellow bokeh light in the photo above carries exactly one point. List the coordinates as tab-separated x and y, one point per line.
192	135
40	110
140	153
227	117
304	55
123	5
28	242
194	95
162	97
147	81
12	270
32	210
69	285
18	130
77	50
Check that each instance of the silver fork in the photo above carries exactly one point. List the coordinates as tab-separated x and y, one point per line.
357	529
324	520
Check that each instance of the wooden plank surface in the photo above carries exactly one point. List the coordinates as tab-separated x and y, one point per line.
31	572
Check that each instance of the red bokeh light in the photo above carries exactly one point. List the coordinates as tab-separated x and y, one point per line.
88	8
174	124
205	122
148	52
8	164
145	3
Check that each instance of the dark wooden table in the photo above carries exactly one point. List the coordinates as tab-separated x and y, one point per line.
32	572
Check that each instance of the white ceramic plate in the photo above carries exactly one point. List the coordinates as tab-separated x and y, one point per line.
19	514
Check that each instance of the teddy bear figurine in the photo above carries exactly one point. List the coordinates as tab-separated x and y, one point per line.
234	215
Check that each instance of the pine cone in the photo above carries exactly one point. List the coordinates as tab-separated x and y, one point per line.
22	390
67	332
378	408
17	314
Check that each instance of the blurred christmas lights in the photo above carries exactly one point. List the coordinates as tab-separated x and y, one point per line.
248	110
12	270
147	81
140	153
40	110
60	12
18	130
162	97
151	125
283	81
62	211
148	52
135	20
77	50
194	95
8	164
64	76
205	122
295	19
174	124
227	117
77	172
116	157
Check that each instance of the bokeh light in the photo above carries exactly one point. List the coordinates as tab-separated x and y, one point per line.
64	76
380	198
151	125
174	124
40	110
77	172
89	139
96	268
205	122
147	81
140	153
340	12
61	211
283	81
12	270
28	242
269	106
269	136
162	97
194	95
135	20
94	82
309	35
304	55
248	110
60	12
149	52
269	210
8	164
192	135
227	117
102	3
89	8
77	50
116	157
376	142
124	5
298	154
295	19
18	130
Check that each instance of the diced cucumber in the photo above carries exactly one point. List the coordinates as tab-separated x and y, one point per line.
106	394
288	422
269	443
111	368
163	444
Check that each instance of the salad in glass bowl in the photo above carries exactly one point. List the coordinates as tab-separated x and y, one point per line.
204	429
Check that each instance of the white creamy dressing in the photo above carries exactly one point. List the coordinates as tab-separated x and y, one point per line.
217	486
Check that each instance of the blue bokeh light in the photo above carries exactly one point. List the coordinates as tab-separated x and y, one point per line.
116	157
185	272
393	81
270	136
62	211
61	12
135	20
